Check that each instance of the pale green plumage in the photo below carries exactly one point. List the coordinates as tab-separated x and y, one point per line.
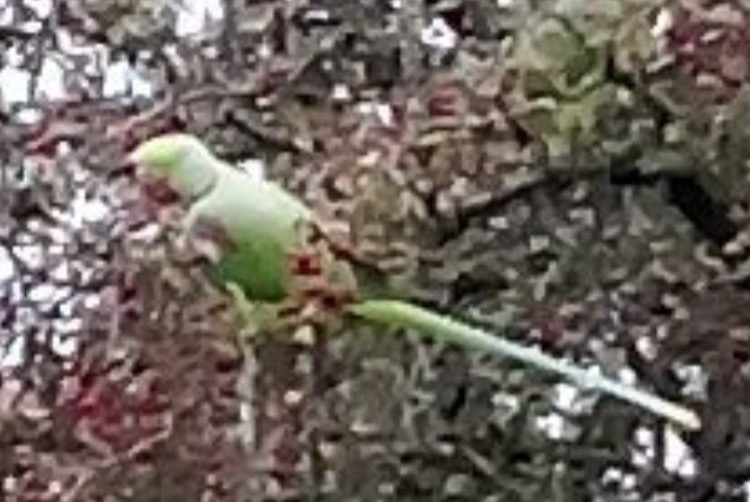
263	221
266	224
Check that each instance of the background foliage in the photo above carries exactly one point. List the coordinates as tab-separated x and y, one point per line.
576	169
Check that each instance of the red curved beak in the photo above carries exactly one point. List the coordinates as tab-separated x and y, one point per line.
159	191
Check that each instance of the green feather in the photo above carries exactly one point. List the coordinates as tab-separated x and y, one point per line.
256	269
263	224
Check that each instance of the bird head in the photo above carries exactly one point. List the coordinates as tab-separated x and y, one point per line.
172	166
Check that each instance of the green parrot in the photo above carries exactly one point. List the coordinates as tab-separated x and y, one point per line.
258	236
264	241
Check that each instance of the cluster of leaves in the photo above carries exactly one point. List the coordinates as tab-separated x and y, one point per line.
570	169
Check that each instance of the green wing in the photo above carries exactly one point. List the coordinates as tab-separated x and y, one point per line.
258	268
262	225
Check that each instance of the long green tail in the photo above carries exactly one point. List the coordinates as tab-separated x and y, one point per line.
407	315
